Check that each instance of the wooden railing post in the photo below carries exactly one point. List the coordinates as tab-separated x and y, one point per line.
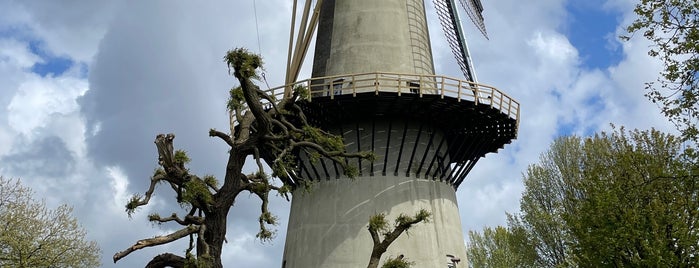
509	108
376	83
458	92
331	89
354	86
501	97
442	87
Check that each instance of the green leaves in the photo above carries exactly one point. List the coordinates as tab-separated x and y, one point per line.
421	216
265	234
211	181
243	62
378	223
397	262
33	235
499	247
328	141
236	99
132	204
303	92
197	192
615	199
181	157
673	28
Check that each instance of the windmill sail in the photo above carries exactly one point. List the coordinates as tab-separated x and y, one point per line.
474	10
449	19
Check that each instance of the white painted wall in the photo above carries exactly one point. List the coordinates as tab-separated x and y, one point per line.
371	36
328	223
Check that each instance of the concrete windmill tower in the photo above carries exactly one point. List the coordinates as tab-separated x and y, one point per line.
373	83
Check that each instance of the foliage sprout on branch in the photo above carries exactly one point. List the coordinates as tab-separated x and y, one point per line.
273	134
378	225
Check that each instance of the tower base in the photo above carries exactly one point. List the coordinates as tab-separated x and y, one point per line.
328	222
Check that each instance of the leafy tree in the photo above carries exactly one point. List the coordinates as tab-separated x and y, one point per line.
500	247
673	27
378	225
272	132
31	235
625	199
543	203
636	203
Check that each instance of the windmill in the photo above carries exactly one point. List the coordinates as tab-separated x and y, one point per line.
446	11
373	83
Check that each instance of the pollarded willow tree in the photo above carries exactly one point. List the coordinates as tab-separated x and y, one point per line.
272	132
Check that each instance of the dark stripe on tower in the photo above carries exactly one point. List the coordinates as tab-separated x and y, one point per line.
323	38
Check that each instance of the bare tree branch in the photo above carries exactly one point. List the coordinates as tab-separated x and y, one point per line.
225	137
136	201
244	124
158	240
188	219
329	154
166	260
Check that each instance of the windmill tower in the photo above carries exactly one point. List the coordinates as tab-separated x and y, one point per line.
373	83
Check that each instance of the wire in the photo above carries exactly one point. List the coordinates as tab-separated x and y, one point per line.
265	79
259	46
257	27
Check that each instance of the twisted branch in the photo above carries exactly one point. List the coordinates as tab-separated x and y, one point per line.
155	241
188	219
137	202
225	137
166	260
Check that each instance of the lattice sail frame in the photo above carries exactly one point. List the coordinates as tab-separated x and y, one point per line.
451	25
474	10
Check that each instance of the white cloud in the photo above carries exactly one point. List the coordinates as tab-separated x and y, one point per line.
119	183
71	28
238	249
38	98
553	49
157	67
15	55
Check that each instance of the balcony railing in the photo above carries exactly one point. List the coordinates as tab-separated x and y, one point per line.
413	84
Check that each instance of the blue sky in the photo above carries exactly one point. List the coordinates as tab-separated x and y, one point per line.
88	84
591	28
50	64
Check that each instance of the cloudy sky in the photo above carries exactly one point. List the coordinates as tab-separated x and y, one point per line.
86	85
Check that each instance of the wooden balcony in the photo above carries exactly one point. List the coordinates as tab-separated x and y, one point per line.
475	119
